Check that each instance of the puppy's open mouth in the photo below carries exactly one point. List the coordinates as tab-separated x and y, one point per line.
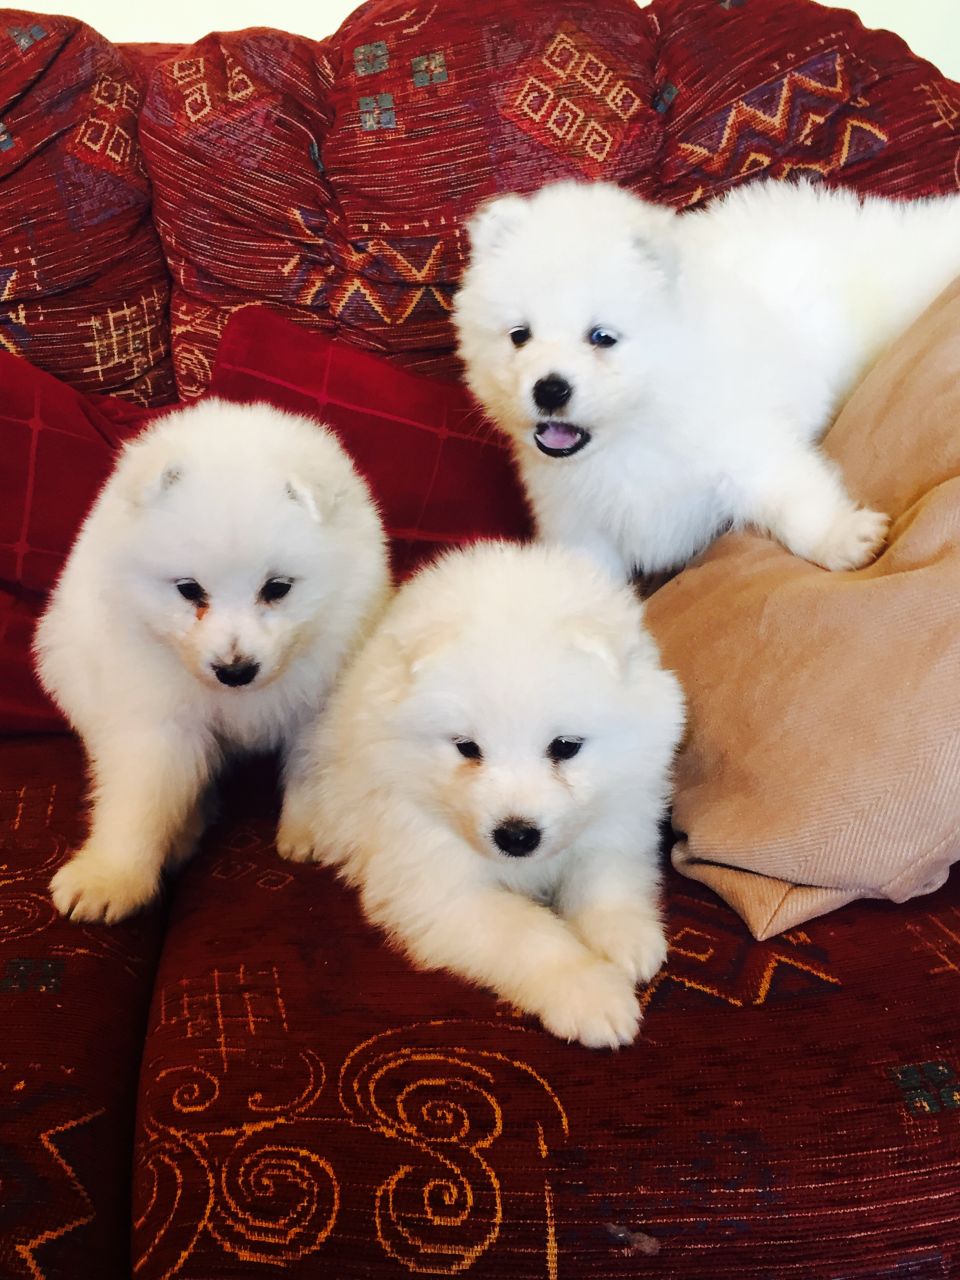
560	439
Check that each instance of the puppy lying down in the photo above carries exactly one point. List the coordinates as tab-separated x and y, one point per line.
491	774
663	376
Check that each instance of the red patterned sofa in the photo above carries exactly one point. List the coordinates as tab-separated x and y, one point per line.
246	1081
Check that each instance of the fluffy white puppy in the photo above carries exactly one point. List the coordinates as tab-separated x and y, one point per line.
664	376
491	773
228	566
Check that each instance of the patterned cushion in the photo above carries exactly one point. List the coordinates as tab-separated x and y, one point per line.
331	180
440	473
73	1000
311	1106
83	283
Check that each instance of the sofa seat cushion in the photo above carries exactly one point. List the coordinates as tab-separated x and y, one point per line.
73	1005
312	1105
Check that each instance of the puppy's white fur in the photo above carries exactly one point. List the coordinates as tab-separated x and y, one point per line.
740	329
229	497
510	648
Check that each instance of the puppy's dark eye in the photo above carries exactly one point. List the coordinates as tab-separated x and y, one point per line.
564	749
600	337
468	748
520	335
191	590
274	589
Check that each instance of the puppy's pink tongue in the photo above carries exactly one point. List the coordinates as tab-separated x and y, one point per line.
558	435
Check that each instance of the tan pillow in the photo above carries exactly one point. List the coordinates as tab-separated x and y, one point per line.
823	759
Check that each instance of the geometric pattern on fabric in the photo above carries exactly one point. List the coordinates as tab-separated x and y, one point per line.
330	181
83	286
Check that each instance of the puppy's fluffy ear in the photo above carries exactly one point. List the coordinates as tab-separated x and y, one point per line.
308	498
615	648
495	221
654	236
412	653
421	650
146	487
317	499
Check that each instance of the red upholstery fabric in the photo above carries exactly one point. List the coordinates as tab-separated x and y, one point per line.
57	448
73	1003
331	180
232	127
83	283
311	1106
782	88
308	1105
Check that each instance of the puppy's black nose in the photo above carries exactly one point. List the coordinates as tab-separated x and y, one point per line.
239	672
551	392
516	837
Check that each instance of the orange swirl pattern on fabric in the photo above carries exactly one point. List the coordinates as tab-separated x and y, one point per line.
443	1206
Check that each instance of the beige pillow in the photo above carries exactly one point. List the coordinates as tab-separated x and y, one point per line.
823	758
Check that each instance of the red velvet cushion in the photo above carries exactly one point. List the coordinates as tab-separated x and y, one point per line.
331	180
439	472
83	283
57	447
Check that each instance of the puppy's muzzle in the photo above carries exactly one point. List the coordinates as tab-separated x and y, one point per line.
234	674
516	837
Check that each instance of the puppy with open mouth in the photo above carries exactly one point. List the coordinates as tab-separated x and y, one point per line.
492	773
665	376
230	564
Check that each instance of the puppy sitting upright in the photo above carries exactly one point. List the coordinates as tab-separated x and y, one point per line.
664	376
227	568
492	771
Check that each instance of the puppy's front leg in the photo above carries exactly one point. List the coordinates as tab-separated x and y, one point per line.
146	789
611	897
295	834
529	957
803	503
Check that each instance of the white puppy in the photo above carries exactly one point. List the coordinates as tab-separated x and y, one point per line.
227	568
492	772
663	376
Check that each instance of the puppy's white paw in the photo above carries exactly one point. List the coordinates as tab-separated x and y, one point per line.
629	937
295	839
594	1003
92	888
184	844
853	539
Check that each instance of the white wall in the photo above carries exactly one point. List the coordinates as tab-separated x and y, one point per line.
931	27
